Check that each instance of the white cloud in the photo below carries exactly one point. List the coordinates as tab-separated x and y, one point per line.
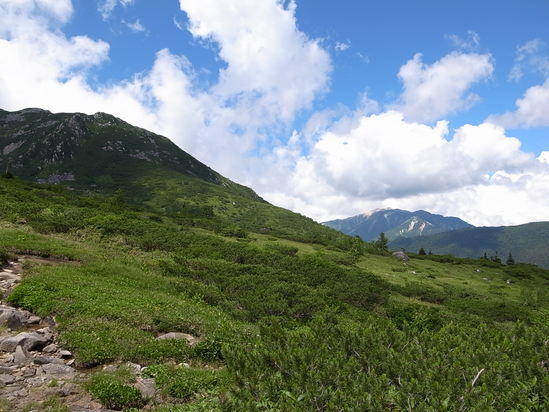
532	109
528	58
363	57
106	7
178	24
469	43
435	91
273	65
385	161
342	46
135	26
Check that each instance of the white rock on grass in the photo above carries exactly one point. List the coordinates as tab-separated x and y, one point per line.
191	340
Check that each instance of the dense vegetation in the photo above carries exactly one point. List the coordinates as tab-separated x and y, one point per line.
107	155
324	323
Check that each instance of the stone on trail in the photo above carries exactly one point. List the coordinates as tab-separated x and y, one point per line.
28	340
56	370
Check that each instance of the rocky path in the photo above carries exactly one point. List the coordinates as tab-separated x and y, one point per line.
33	368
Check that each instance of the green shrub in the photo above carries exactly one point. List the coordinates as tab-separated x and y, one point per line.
183	382
113	393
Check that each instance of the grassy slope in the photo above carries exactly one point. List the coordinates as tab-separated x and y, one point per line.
108	155
527	242
364	327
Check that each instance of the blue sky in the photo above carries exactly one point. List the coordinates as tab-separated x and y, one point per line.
328	108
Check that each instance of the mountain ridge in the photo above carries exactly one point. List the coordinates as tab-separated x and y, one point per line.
103	154
527	242
395	223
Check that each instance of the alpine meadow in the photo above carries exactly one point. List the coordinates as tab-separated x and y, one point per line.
164	169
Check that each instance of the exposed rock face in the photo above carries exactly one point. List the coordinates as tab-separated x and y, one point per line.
403	257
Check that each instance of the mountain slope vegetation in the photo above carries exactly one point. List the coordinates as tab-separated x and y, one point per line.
284	313
396	223
526	243
104	154
282	325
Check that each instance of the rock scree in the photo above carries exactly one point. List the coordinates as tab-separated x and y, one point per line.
33	367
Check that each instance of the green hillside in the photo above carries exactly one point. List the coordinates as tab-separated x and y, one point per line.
281	325
526	243
106	155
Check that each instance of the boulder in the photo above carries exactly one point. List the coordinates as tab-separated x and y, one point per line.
12	318
147	388
44	360
9	276
191	340
21	356
33	320
51	348
403	257
28	340
7	379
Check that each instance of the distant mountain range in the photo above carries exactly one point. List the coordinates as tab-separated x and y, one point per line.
527	243
396	223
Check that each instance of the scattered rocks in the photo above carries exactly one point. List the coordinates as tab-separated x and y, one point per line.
56	370
32	367
44	360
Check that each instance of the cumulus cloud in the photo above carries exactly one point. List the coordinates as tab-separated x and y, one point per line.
383	160
432	92
532	109
273	64
385	156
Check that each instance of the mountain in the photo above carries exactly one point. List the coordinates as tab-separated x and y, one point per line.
396	223
103	154
527	243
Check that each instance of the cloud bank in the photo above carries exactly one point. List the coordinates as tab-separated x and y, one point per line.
341	162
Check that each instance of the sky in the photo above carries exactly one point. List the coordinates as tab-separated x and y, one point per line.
327	108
